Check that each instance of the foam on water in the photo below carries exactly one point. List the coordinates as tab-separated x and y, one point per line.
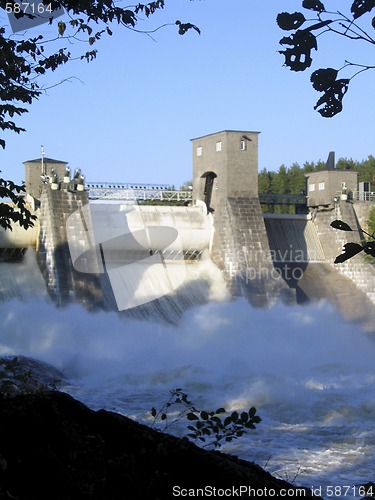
309	373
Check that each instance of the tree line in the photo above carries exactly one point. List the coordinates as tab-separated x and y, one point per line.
292	180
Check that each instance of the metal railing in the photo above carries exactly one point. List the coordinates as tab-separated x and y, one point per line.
116	192
368	196
282	199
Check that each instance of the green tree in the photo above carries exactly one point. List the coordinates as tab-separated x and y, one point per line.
299	46
371	222
265	181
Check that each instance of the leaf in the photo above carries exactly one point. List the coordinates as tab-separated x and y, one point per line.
192	416
339	224
323	79
244	417
298	58
227	421
220	410
313	5
204	415
289	22
252	412
369	248
250	425
332	99
153	412
351	249
184	27
61	27
234	416
360	7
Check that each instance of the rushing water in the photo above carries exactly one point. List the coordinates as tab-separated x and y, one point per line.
309	373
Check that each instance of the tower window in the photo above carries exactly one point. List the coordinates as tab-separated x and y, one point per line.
199	151
321	186
243	145
218	146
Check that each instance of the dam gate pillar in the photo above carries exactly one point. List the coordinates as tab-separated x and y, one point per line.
225	177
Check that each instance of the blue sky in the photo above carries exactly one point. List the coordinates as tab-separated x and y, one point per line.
130	114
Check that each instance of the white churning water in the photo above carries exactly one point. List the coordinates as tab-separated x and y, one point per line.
309	373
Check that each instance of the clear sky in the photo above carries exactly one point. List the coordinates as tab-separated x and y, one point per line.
130	114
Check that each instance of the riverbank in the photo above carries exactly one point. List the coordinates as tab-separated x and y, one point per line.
53	446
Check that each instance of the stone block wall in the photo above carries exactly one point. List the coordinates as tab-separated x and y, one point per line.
64	283
358	269
241	250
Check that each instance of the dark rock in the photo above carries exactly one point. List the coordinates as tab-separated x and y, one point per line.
54	447
25	375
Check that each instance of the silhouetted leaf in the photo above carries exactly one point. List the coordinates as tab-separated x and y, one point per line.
360	7
204	415
332	99
250	425
298	58
191	416
153	412
369	248
244	417
184	27
289	22
220	410
323	79
350	249
227	421
313	5
234	416
252	412
339	224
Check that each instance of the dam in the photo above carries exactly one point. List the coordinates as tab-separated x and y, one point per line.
100	243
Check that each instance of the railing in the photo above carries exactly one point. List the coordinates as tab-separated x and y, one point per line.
97	191
364	196
282	199
128	185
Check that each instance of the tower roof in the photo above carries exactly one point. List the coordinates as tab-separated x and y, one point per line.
46	160
227	131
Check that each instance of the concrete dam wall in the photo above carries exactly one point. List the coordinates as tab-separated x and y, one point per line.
86	248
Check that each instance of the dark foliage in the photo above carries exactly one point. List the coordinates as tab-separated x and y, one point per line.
24	61
352	249
301	43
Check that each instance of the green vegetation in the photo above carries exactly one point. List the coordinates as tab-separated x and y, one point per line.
292	180
371	223
206	426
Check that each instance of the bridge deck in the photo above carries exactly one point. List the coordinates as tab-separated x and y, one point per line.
124	194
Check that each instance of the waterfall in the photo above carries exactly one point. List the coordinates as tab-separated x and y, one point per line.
306	368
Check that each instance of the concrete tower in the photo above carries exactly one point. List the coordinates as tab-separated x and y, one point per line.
225	165
35	169
225	177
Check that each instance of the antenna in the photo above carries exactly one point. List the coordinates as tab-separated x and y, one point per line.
43	166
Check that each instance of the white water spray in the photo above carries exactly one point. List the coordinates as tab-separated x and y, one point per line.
308	372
